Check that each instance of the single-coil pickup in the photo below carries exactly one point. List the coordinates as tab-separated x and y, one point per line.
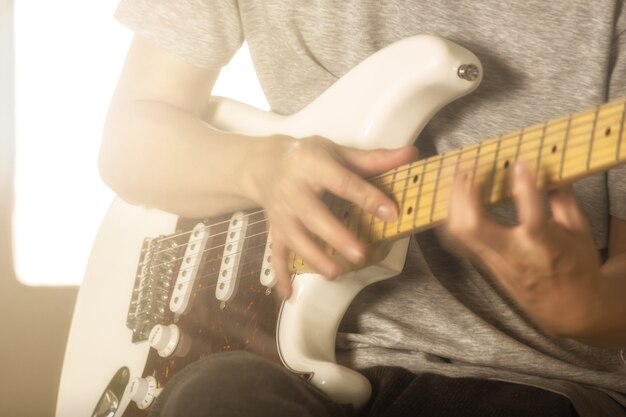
189	267
268	278
228	278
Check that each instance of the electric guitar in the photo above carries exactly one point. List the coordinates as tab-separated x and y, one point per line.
162	291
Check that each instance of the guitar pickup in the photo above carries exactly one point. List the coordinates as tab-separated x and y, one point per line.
189	267
268	277
228	278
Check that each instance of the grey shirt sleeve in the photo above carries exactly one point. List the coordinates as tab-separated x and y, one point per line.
206	33
617	89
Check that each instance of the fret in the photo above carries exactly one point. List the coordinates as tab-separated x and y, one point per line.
418	196
475	164
564	148
508	149
485	162
410	196
578	143
402	200
491	175
396	188
552	148
436	188
427	191
606	134
622	133
385	183
539	177
467	162
593	139
448	171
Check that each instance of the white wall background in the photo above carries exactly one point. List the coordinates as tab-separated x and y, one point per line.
68	57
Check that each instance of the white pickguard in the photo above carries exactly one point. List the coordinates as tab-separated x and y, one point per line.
384	102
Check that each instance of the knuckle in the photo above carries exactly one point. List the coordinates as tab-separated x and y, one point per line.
464	228
344	184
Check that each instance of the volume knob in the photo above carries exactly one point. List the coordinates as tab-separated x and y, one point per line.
169	340
143	391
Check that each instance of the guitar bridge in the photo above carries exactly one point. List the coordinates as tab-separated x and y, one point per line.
149	305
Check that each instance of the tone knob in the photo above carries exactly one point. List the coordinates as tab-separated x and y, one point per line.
143	391
169	340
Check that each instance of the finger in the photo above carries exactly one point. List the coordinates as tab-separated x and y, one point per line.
323	223
372	162
467	221
351	187
299	241
530	208
565	209
280	255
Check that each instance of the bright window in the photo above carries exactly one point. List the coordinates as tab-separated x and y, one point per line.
68	57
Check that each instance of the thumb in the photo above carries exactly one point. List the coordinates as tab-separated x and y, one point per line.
372	162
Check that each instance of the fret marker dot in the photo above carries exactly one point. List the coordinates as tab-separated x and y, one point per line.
607	132
410	210
506	164
554	149
415	178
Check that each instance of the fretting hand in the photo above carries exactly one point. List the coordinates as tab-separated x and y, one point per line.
288	183
548	264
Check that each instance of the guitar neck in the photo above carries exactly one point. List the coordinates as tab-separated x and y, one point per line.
561	151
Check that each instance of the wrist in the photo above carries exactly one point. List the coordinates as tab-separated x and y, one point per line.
604	322
261	157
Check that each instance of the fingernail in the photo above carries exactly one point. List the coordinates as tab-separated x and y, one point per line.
355	255
386	213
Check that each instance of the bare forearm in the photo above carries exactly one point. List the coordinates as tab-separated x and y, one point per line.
157	155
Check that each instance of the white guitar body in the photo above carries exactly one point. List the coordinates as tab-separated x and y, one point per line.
384	102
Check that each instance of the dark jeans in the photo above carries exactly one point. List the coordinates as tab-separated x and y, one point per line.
239	384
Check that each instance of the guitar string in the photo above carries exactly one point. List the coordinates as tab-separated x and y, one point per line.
425	172
246	275
205	276
439	158
348	206
436	214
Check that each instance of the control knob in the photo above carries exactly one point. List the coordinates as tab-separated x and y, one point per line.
143	391
169	340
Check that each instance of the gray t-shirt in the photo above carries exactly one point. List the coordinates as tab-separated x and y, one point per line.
542	59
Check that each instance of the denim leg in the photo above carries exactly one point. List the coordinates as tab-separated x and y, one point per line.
242	384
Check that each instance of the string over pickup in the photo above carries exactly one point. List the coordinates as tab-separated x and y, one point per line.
268	277
189	268
228	278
